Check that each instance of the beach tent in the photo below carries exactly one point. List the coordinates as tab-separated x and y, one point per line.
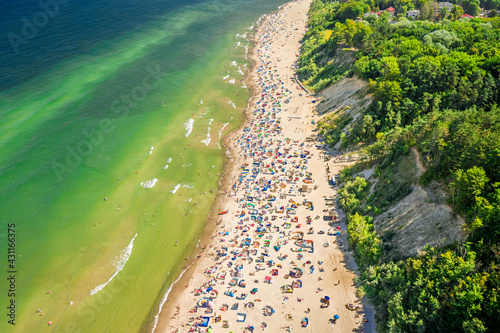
205	322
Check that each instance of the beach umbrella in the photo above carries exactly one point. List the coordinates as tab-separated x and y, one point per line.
336	317
327	298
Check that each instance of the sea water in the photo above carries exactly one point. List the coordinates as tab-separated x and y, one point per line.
112	114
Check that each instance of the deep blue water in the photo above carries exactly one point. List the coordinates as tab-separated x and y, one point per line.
36	35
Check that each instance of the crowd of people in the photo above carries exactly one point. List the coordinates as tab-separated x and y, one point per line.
274	259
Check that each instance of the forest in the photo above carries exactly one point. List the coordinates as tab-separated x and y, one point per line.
436	87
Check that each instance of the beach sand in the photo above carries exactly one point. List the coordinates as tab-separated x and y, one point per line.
270	158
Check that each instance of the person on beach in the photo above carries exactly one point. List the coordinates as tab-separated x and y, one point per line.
267	158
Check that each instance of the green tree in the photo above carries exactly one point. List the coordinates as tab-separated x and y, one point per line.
444	13
475	325
471	7
354	33
469	185
490	4
389	91
363	239
352	10
391	68
427	10
457	12
369	126
402	5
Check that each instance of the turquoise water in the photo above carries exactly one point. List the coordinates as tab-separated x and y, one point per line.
83	138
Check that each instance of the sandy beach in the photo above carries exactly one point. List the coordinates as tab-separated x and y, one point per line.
274	255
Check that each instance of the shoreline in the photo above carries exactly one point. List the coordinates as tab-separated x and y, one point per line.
176	289
179	296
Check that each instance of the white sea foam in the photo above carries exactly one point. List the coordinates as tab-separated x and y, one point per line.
165	297
186	165
244	85
168	161
225	77
150	183
201	101
176	188
261	18
232	81
151	150
207	140
240	71
244	35
188	125
119	263
222	129
234	63
224	126
232	104
238	44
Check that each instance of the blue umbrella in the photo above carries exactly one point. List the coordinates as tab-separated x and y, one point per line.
336	317
327	298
